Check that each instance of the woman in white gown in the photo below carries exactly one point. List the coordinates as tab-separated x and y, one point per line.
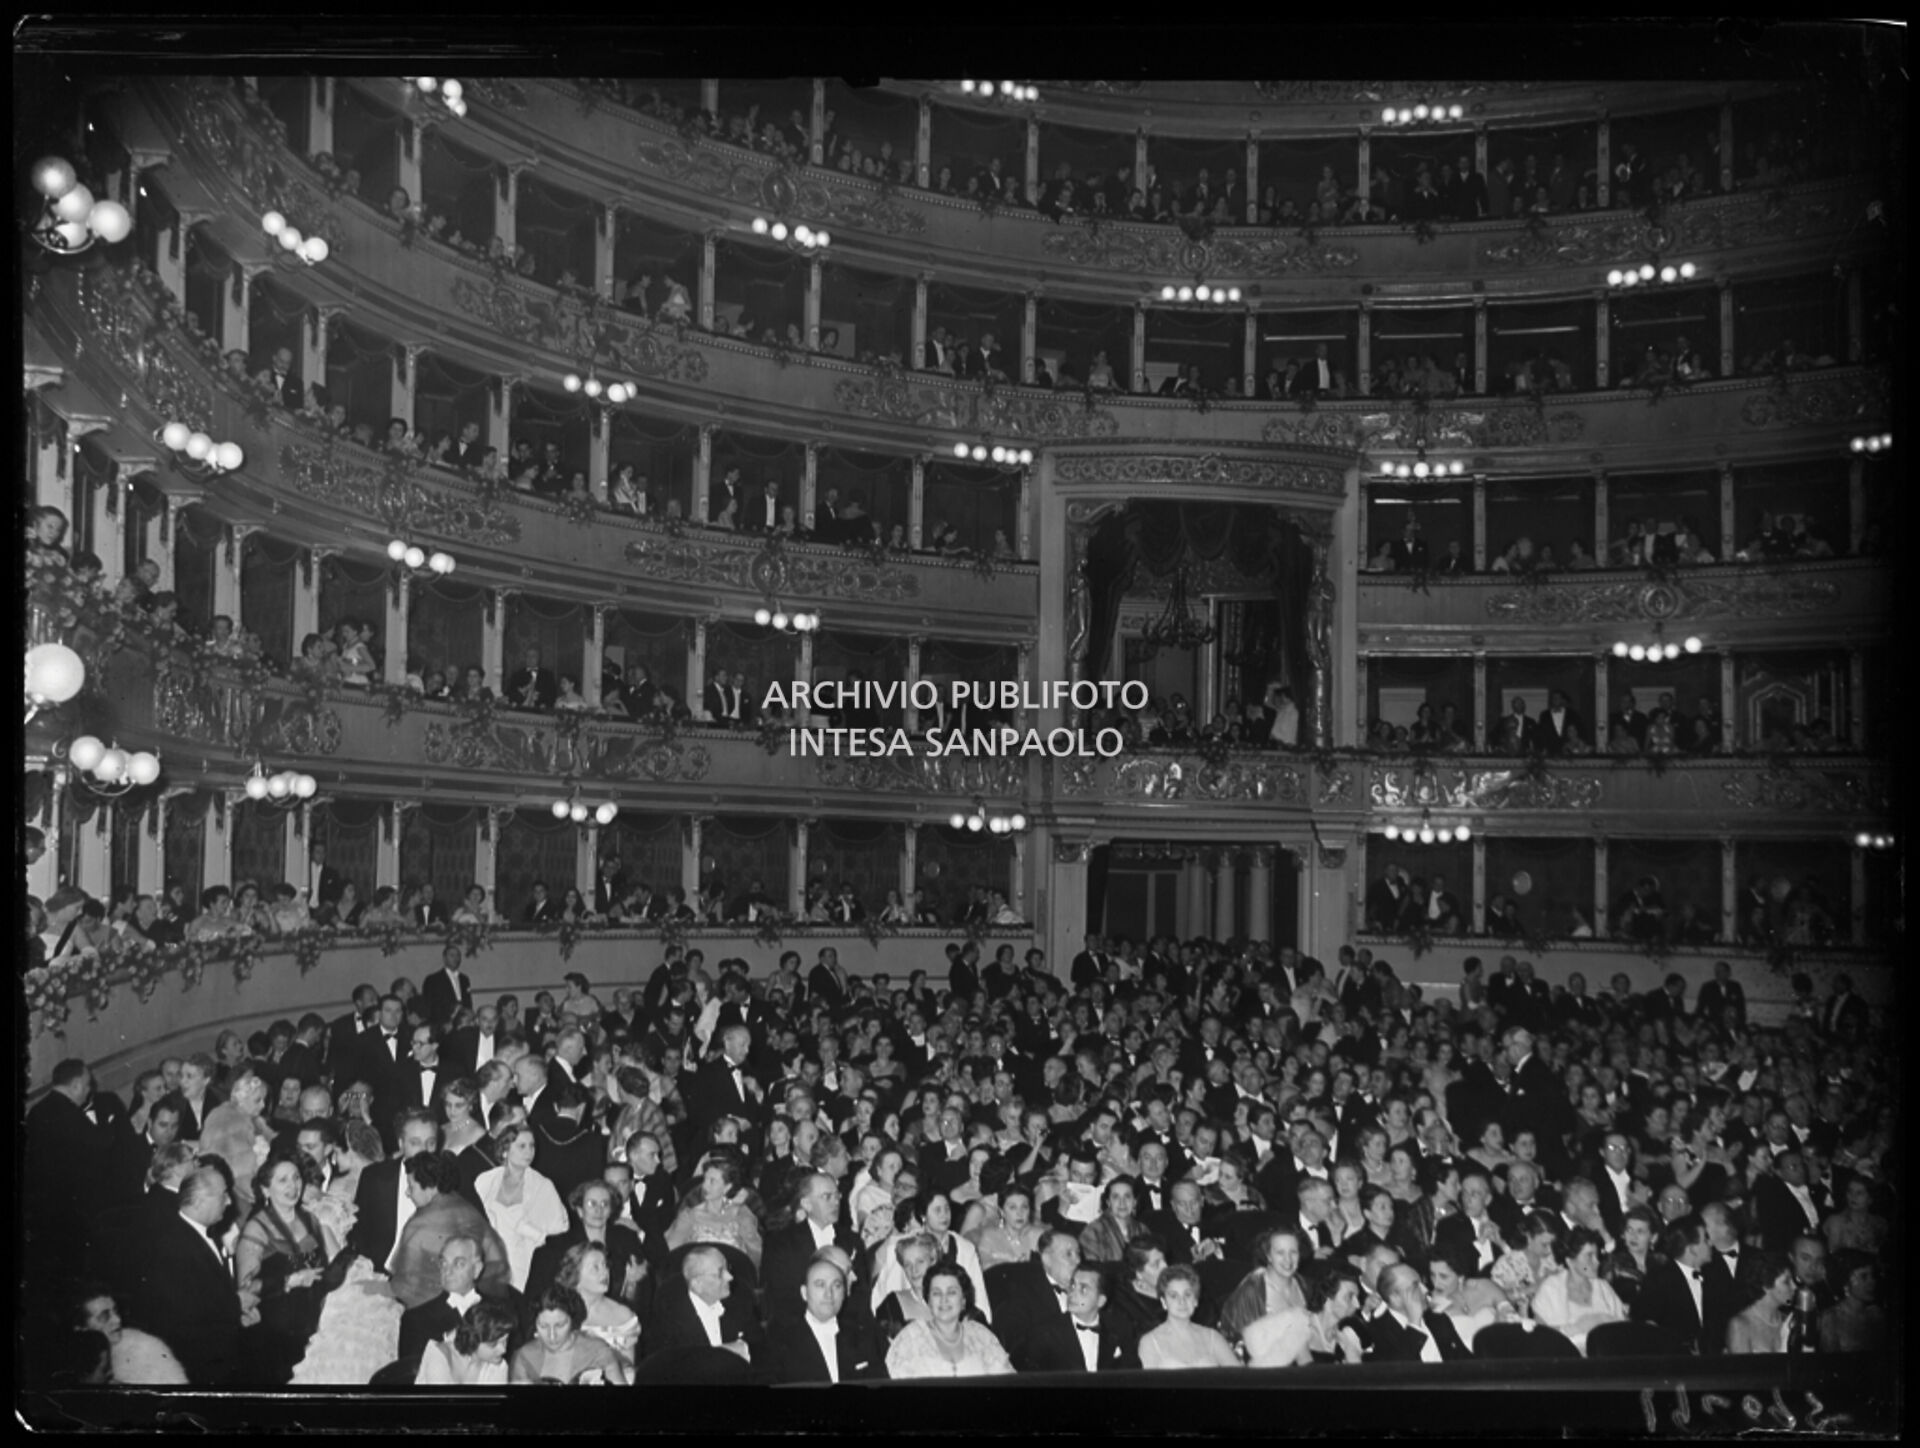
1578	1300
474	1354
1298	1337
523	1206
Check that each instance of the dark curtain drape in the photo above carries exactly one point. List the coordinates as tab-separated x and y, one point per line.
533	845
884	485
350	829
864	855
447	396
123	850
360	375
739	850
647	845
763	654
1687	872
437	847
446	628
1559	877
544	417
185	841
198	537
1163	537
661	454
951	862
977	501
259	834
968	140
558	630
658	642
266	593
1099	871
354	590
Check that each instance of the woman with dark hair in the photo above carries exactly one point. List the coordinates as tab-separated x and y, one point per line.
278	1264
560	1353
138	1358
947	1342
522	1204
1300	1337
716	1210
1524	1268
1577	1300
474	1354
1180	1342
586	1268
1627	1265
1274	1286
1763	1325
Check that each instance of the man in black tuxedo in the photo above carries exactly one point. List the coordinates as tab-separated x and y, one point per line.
827	981
382	1056
702	1310
286	382
468	1049
1844	1014
69	1143
381	1203
324	883
1089	965
1612	1178
820	1343
1188	1240
1084	1338
1682	1295
1469	192
1628	721
343	1036
183	1291
637	695
1407	1332
1386	899
533	685
728	491
725	1087
1317	376
1030	1294
1721	997
943	1162
423	909
1783	1203
460	1289
1556	724
722	700
542	909
784	1267
447	990
1409	551
1536	1101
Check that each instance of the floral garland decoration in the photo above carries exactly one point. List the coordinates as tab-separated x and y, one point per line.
580	509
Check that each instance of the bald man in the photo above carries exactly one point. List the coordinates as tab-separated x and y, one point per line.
822	1343
790	1249
184	1291
703	1311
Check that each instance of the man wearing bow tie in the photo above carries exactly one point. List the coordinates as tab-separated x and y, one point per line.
822	1343
722	699
1407	1331
1032	1293
447	990
1682	1296
1316	1214
383	1059
1083	1338
724	1087
1187	1241
764	516
725	495
532	686
1471	1229
426	1072
279	371
1318	376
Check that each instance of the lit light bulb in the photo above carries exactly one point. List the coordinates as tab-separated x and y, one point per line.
1457	468
559	809
999	454
957	821
1636	653
763	616
426	84
966	87
1202	292
571	382
1406	116
778	231
592	387
229	456
256	786
1233	294
75	205
1420	111
1185	294
759	226
278	786
1444	835
1862	841
416	557
579	813
1167	293
451	91
1669	274
85	752
441	563
975	823
1426	834
803	234
606	813
175	435
960	450
1026	456
1461	833
1420	469
1393	832
1457	112
198	446
396	550
1646	271
1386	116
1403	471
304	785
1620	648
1673	651
1859	444
1693	644
1613	278
1874	444
979	453
780	620
273	223
1019	821
1687	270
314	250
53	177
290	238
1386	470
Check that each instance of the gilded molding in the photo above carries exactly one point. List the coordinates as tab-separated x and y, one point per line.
1166	251
924	774
1684	597
728	173
1002	413
251	163
581	750
1336	785
581	328
1425	787
394	497
1205	470
771	571
1336	92
1520	425
1819	403
1236	781
1701	228
1812	791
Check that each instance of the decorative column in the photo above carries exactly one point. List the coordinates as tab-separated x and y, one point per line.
1363	178
1033	160
1363	355
1024	671
595	660
226	580
399	605
319	114
1726	328
1602	898
1142	172
235	327
797	865
810	315
1029	336
917	502
1065	909
1250	354
923	144
1602	349
1729	891
1603	188
493	640
506	205
216	843
408	174
1191	915
1729	701
914	645
1601	693
909	859
1728	542
1479	883
1023	541
1320	626
1856	502
1602	524
406	358
1225	863
500	413
1481	156
306	591
91	866
809	484
690	831
1479	522
1139	357
486	851
1726	147
1260	892
917	340
710	96
817	124
1253	182
606	224
297	830
1857	897
1857	698
1361	668
393	827
697	664
586	859
702	474
600	451
708	261
1480	349
150	856
1479	701
1856	319
1017	877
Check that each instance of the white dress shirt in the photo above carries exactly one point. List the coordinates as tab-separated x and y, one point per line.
463	1301
1697	1285
827	1334
1429	1350
709	1314
1088	1335
402	1214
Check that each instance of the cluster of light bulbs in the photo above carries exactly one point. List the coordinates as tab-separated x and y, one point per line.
285	787
1872	442
1421	468
614	392
993	824
71	220
1427	833
1006	457
785	622
310	249
1866	841
1647	272
413	556
579	811
1011	90
219	457
452	93
1407	116
806	237
110	767
1200	292
1656	651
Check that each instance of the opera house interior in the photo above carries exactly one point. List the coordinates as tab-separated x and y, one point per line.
673	720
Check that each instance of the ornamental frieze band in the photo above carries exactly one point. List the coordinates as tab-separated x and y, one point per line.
1682	598
924	774
779	188
1152	249
1429	788
1209	469
1189	778
581	328
1817	791
400	501
696	561
972	409
1699	228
